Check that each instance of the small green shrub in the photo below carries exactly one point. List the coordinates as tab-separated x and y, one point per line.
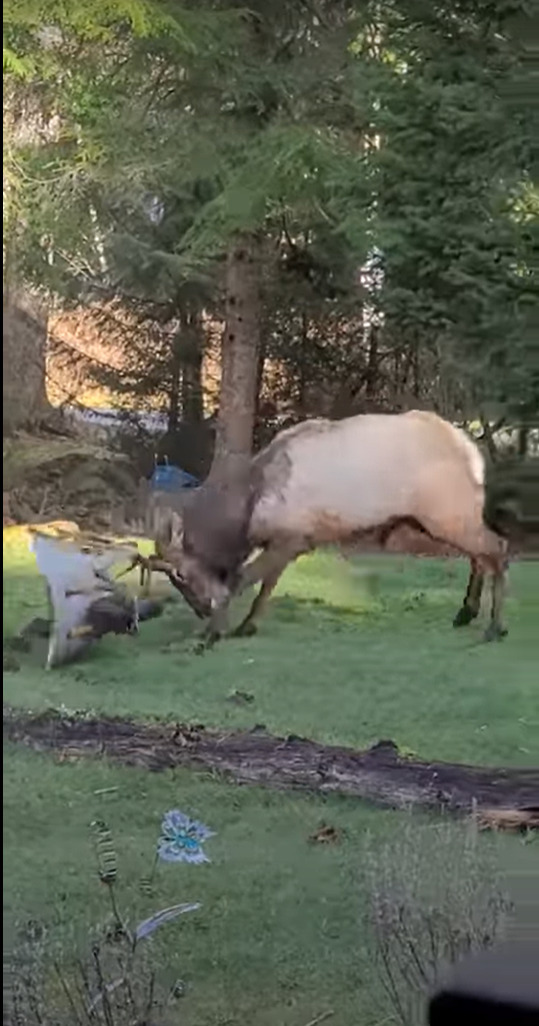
434	895
115	982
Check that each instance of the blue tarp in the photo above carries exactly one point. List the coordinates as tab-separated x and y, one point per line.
169	478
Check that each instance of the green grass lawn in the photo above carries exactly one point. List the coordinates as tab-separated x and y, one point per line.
279	937
349	653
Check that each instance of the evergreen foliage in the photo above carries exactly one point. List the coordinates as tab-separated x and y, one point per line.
402	133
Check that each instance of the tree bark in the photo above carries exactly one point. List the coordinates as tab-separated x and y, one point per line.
173	415
25	315
239	357
192	359
371	379
24	340
522	447
378	774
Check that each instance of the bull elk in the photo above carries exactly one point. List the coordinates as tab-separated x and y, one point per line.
333	483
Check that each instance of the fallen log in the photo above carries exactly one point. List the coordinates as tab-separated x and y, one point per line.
379	774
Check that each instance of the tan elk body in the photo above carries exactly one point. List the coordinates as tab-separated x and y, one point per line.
335	482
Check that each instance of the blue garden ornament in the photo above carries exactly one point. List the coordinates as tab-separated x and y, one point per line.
182	838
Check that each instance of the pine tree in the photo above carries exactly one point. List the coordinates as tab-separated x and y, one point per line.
308	139
450	171
224	104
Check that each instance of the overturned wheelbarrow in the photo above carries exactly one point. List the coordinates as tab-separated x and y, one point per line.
85	602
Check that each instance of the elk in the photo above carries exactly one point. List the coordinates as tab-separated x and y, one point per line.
333	483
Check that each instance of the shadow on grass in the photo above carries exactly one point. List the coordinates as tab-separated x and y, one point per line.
293	608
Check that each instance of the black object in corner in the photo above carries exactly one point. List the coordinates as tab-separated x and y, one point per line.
499	987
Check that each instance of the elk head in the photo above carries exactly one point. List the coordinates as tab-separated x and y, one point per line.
203	588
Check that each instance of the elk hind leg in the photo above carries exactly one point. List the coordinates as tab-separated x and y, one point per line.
472	600
496	630
470	535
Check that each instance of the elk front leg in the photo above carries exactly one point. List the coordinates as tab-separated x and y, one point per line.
268	568
217	626
250	574
248	626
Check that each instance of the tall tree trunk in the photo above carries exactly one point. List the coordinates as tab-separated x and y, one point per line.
259	433
302	376
371	377
239	357
175	383
192	358
25	314
522	444
24	339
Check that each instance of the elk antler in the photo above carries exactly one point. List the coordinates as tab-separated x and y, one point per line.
148	564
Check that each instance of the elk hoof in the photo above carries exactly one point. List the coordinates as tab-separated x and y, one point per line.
245	630
207	639
494	632
464	616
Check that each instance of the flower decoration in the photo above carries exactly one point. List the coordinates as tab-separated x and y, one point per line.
182	838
